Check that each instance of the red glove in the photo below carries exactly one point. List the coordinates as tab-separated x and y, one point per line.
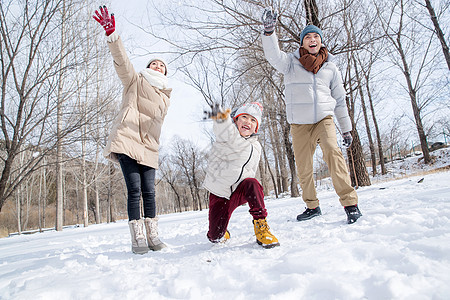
108	23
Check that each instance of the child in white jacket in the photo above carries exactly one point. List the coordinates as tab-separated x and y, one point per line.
232	164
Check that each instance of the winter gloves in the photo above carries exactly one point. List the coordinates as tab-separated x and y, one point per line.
347	139
269	20
217	112
103	18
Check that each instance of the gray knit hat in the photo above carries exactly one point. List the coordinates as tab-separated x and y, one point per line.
310	29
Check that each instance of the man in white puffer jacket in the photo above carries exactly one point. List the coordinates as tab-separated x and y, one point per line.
314	94
232	164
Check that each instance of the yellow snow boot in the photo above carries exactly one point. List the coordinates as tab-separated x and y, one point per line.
263	235
225	238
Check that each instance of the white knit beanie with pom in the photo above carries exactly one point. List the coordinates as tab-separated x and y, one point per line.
253	109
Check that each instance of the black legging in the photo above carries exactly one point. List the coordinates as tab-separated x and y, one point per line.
138	178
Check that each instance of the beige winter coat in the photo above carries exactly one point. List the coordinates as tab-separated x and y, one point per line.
137	128
232	159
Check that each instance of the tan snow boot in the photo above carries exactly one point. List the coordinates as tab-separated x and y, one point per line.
138	242
263	235
151	224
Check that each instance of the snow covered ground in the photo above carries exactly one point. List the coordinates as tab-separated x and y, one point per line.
399	249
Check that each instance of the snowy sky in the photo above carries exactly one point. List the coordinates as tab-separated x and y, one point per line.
398	249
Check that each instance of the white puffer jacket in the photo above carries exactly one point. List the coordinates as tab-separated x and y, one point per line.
309	97
232	159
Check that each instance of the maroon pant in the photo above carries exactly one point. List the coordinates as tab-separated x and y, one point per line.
220	209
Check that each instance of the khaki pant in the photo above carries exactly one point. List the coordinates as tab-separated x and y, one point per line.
305	138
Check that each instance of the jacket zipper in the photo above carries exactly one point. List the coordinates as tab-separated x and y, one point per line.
242	169
315	97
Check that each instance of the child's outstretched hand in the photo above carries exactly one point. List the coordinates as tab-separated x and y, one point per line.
222	115
217	113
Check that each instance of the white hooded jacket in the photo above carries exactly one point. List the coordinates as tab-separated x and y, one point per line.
309	97
231	159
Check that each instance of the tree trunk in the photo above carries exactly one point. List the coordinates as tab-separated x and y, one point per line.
312	13
40	200
264	182
439	32
84	184
281	155
357	166
110	206
415	106
98	217
98	146
4	180
29	184
84	181
291	159
44	204
59	172
262	169
178	198
277	178
59	129
19	211
366	120
377	130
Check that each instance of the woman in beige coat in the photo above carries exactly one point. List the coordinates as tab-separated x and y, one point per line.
134	139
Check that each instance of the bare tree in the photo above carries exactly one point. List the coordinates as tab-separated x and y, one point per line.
356	161
414	55
190	159
59	124
38	112
28	69
366	117
263	167
357	167
170	175
312	13
438	30
366	72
